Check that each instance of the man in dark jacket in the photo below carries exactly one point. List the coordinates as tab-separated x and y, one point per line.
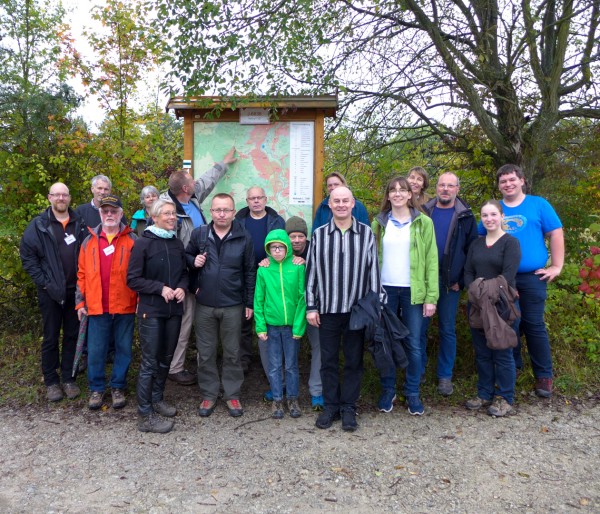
224	288
258	220
455	230
49	250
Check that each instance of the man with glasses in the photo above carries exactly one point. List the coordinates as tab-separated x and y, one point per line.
258	219
455	230
103	295
224	286
188	194
48	250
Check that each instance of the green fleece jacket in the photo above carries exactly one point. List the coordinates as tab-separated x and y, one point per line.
279	295
424	280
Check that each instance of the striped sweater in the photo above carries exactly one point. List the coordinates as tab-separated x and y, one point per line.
341	268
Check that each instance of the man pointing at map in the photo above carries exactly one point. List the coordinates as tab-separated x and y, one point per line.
188	194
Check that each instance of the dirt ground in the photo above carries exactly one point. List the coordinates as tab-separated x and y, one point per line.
64	458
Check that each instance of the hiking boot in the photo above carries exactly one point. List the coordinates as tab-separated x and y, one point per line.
96	400
543	387
54	393
477	403
184	378
71	390
415	407
316	402
164	409
155	424
500	408
235	408
349	423
277	409
445	387
294	408
326	418
386	400
118	398
206	408
268	396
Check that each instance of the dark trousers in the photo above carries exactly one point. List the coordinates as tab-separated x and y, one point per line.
334	333
54	317
158	339
246	341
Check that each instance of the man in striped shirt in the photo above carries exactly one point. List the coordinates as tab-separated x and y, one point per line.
341	268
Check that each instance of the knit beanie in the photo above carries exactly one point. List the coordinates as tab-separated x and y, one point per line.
296	224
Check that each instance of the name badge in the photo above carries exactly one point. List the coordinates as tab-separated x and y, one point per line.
109	250
69	239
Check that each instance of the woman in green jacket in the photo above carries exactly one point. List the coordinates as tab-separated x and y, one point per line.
409	274
280	317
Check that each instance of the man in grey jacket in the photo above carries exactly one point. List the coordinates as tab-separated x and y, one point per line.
188	194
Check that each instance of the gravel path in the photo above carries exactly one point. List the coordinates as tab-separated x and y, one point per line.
65	458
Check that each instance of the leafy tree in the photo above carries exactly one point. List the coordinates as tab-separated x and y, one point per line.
514	69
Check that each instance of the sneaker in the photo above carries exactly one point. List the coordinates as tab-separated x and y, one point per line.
184	377
445	387
316	402
118	398
543	387
477	403
326	418
164	409
277	409
386	400
206	408
268	396
54	393
96	400
71	390
500	408
349	423
294	408
155	424
235	408
415	407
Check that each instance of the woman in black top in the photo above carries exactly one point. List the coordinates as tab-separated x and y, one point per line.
498	253
158	272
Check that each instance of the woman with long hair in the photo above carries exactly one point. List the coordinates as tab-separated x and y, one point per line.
409	274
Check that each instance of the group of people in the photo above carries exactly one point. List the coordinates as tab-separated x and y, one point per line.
172	268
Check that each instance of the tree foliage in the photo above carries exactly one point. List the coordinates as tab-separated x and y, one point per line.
514	68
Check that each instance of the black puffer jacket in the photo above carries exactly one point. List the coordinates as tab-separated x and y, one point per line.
156	262
40	254
227	278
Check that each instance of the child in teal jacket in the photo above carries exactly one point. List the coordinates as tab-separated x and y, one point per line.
280	317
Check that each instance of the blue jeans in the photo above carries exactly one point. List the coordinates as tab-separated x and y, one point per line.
532	300
334	333
281	345
495	368
446	310
398	300
101	329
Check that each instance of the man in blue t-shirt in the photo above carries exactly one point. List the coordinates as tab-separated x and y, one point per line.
531	219
455	229
258	219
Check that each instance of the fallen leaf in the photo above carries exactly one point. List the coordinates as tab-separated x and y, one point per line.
524	475
378	473
584	501
544	429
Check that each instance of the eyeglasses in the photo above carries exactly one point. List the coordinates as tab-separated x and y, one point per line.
255	198
168	213
59	195
447	186
274	248
221	211
398	191
106	212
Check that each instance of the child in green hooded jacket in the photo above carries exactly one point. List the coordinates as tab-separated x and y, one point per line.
280	317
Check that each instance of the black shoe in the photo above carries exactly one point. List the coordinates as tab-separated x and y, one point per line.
184	378
326	418
349	423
